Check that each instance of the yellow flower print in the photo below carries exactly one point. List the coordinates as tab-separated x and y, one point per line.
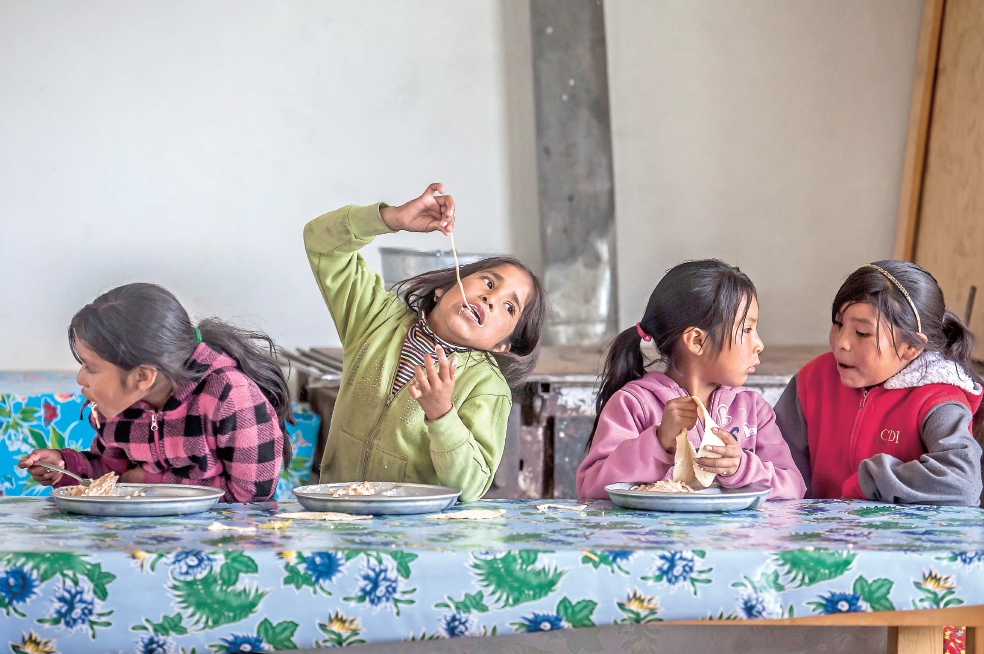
341	624
290	556
636	601
33	644
934	581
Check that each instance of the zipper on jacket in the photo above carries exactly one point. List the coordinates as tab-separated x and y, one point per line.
854	427
374	432
156	432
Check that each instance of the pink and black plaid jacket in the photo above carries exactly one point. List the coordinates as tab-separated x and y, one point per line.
218	430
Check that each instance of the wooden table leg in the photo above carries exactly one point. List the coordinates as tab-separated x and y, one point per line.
915	640
975	640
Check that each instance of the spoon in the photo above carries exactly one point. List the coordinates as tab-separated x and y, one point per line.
82	480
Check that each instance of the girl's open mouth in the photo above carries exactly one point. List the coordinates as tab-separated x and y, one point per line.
474	312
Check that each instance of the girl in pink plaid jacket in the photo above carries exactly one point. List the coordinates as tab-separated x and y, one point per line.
174	403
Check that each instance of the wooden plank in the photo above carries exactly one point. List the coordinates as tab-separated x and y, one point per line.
950	233
975	640
961	615
919	115
915	640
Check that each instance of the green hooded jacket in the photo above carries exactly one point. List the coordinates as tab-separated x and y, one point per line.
378	437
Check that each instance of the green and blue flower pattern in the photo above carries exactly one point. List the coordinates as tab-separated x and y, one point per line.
169	585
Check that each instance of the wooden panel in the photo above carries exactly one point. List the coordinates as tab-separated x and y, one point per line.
915	640
961	615
975	640
915	148
950	235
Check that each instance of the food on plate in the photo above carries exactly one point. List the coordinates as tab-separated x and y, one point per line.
99	487
664	486
361	488
685	468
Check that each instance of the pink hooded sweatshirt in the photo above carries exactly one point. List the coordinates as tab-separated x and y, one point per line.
625	447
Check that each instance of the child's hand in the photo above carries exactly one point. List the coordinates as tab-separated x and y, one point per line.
41	475
132	476
730	459
427	213
432	389
679	413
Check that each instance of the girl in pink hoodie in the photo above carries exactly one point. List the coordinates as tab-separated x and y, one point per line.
702	317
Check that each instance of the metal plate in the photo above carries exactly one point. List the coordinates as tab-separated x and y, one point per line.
158	499
709	500
391	498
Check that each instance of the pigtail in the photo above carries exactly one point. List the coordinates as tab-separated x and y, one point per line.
623	363
959	348
256	354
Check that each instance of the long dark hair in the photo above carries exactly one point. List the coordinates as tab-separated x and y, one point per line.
705	294
945	332
144	324
515	364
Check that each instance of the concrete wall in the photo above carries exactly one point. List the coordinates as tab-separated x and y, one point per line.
768	134
187	143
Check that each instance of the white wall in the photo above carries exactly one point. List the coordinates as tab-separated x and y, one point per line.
769	134
188	142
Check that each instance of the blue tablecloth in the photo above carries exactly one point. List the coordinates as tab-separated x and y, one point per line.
160	584
42	409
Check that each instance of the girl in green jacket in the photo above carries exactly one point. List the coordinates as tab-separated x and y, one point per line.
425	391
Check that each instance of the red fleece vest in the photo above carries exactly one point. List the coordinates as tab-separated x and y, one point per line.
848	425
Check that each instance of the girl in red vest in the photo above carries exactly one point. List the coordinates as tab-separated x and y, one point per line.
888	414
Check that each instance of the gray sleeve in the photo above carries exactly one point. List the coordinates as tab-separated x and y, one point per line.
948	474
792	424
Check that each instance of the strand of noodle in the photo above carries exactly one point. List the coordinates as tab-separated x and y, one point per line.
457	274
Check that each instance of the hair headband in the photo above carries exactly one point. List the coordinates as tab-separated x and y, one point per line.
642	333
198	336
904	292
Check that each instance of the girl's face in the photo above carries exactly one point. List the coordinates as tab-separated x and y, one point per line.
862	345
733	364
498	296
109	387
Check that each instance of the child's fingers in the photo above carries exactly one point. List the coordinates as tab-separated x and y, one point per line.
436	187
444	368
453	370
447	222
420	377
433	377
726	436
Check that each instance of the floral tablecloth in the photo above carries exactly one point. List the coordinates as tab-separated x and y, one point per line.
43	409
77	584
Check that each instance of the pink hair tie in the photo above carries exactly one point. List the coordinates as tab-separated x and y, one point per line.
642	334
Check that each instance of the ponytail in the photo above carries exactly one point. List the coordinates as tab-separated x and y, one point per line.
706	294
959	348
623	363
256	354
